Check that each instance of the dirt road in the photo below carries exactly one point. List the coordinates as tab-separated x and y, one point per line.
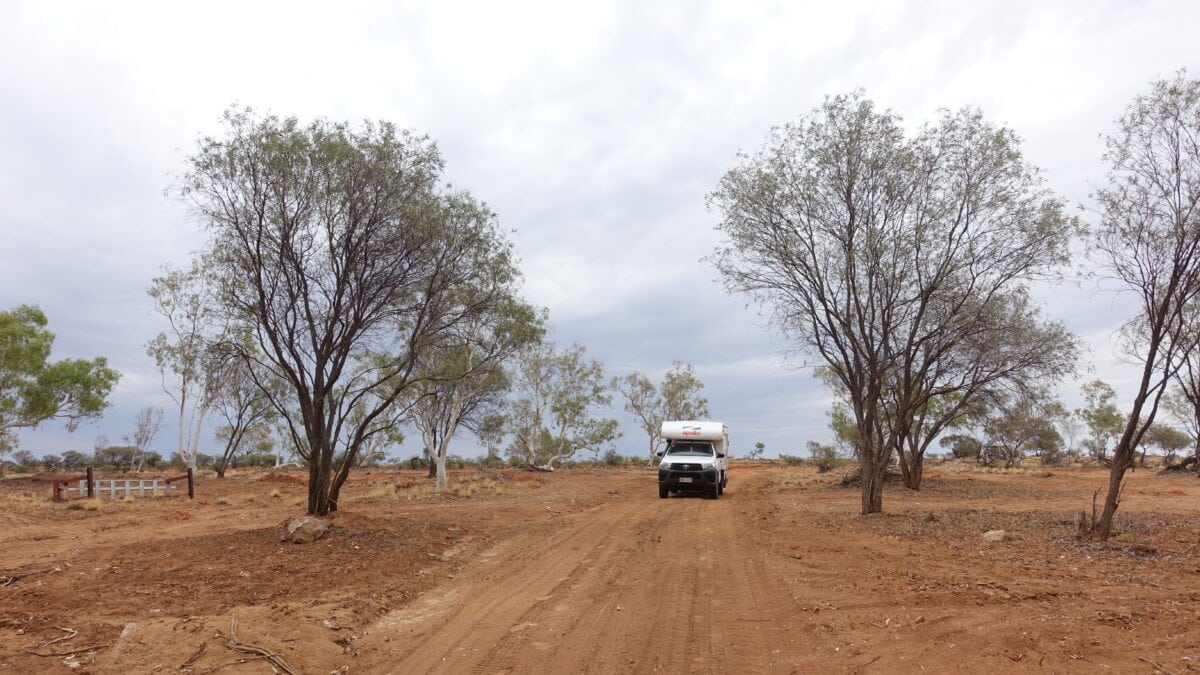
635	584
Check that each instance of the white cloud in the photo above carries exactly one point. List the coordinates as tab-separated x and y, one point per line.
594	130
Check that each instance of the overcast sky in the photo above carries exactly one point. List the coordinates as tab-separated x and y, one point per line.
594	130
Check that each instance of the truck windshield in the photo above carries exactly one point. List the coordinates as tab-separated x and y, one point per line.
691	449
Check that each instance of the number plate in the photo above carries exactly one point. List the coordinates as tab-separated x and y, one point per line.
685	479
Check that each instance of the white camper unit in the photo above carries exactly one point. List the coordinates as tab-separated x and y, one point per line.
695	458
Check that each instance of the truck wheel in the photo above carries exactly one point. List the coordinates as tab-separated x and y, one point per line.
721	485
662	493
715	491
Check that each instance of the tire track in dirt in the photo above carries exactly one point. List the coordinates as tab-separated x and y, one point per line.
636	585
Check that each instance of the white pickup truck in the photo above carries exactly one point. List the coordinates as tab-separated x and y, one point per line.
694	459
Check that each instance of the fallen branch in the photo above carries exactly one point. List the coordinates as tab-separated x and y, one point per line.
1156	666
68	652
195	655
271	657
71	633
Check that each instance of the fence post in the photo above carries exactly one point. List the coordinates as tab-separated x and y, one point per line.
191	485
91	483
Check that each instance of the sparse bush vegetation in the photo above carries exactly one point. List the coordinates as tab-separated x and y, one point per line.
491	461
824	456
85	505
791	460
264	459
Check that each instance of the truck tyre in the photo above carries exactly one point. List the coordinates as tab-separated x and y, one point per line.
662	493
715	491
721	484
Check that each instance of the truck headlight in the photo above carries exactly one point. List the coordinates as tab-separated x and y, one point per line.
708	466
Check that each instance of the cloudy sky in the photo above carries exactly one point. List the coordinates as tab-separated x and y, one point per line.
593	129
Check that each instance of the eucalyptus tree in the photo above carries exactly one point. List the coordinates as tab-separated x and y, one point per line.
1018	424
464	384
148	422
1186	412
893	259
1100	415
244	402
556	407
34	389
1012	353
187	352
1148	242
677	397
345	258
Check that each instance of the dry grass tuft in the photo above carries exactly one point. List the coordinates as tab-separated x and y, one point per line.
85	505
468	485
222	501
276	494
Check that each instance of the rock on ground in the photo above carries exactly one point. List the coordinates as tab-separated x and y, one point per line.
306	529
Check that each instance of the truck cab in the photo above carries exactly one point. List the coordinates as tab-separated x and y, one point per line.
694	459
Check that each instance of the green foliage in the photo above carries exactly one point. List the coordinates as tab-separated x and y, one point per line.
263	459
114	457
676	398
1167	439
72	459
961	446
900	260
613	458
555	414
824	456
491	461
845	429
33	389
791	460
343	256
1101	417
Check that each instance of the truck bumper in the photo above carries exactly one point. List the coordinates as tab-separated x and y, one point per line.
687	481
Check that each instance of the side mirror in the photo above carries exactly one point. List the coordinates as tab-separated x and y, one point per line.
721	455
660	453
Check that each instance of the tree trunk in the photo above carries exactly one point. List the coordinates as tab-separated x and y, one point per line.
872	485
911	468
322	495
194	443
1123	458
442	481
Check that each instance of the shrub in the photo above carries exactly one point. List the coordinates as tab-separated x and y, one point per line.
824	456
265	459
791	460
491	461
613	458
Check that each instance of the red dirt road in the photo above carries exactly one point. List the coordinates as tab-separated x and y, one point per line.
591	572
